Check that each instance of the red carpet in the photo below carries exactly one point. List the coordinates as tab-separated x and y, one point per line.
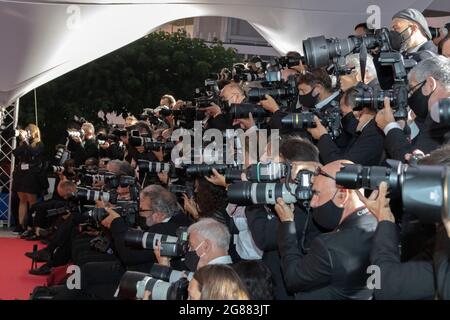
15	282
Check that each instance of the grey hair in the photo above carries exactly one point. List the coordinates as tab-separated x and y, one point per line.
121	168
437	67
212	230
88	126
353	60
162	200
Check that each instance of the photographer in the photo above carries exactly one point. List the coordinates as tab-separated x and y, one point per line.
315	91
110	146
335	265
262	220
29	180
85	146
431	82
231	93
209	241
362	29
366	142
167	100
416	36
158	213
398	276
38	220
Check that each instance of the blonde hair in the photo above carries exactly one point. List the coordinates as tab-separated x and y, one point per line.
220	282
35	134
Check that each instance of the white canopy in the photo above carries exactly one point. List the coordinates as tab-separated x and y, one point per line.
42	40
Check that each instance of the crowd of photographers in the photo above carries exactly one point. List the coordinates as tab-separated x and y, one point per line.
349	201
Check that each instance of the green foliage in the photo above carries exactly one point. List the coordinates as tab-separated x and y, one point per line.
127	80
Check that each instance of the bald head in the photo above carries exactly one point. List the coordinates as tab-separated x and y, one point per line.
325	189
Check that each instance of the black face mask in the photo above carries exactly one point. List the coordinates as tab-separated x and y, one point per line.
191	260
308	100
418	100
328	215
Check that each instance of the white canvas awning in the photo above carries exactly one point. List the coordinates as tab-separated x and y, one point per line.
42	40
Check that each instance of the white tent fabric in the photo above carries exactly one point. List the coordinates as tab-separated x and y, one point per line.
42	40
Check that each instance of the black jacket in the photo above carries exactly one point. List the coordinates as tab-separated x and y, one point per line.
365	147
336	264
409	280
80	153
263	225
431	137
143	258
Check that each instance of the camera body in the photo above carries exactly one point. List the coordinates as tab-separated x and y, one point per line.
423	189
247	193
331	119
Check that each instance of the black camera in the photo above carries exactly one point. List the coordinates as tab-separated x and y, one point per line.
331	119
134	284
63	207
424	189
373	98
278	93
179	190
149	144
148	115
290	61
243	110
202	170
128	210
322	52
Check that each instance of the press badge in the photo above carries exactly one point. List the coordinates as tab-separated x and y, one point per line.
25	166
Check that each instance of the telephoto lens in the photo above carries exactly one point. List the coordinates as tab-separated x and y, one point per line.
423	189
138	141
168	274
243	110
174	249
153	167
356	176
134	284
299	120
56	169
258	94
146	240
96	195
247	193
156	145
201	170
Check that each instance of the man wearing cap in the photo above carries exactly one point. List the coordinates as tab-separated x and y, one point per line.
416	36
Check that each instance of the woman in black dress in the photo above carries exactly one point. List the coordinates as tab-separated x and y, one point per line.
28	180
